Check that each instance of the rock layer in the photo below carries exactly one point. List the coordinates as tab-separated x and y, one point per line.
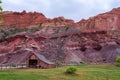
106	21
66	45
31	19
61	40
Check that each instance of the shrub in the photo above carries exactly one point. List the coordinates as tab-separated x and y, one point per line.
118	59
71	70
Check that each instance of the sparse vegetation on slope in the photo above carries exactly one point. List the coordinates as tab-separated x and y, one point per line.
8	32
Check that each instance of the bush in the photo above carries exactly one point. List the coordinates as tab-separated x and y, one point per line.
118	59
71	70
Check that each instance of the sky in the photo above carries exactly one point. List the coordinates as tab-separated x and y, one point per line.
71	9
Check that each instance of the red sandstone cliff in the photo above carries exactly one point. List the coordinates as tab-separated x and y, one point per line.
31	19
94	40
21	20
106	21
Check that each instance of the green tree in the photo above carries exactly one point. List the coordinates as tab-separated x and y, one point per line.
1	20
0	6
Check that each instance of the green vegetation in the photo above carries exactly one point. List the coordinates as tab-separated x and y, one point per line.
71	70
118	59
0	6
1	20
84	72
8	32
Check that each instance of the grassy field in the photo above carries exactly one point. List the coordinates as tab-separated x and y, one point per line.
86	72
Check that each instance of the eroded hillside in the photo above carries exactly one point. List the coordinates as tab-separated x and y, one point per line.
96	40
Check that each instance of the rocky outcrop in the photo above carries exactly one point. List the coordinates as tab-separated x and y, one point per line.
21	20
106	21
57	22
66	45
31	19
96	40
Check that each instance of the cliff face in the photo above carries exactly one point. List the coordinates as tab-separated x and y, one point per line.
95	40
106	21
66	45
31	19
21	20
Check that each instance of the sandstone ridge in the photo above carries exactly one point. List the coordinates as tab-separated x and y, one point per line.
61	40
